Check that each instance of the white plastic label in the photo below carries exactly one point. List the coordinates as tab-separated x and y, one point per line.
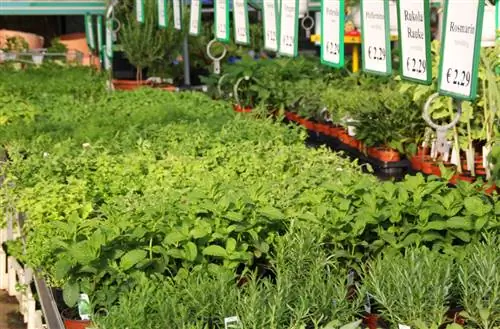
414	36
221	20
403	326
139	10
194	18
177	15
232	322
89	29
376	36
162	13
240	12
270	8
332	32
289	26
460	48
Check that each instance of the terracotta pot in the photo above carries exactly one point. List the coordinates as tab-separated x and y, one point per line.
384	154
168	88
78	42
129	84
310	125
416	162
34	41
292	116
371	321
428	166
322	128
461	177
490	189
72	323
241	109
335	131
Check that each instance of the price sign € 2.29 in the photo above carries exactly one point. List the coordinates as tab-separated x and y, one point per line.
376	36
332	32
415	43
221	20
289	27
240	17
462	29
270	8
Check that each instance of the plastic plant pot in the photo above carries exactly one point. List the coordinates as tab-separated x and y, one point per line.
70	323
309	124
416	162
384	154
129	84
37	59
241	109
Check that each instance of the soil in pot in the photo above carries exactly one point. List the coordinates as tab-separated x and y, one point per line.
71	320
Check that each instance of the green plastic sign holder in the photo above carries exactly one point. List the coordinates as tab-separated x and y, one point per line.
460	48
139	10
375	35
221	12
240	20
162	13
108	58
289	28
271	32
100	39
89	32
332	33
414	24
195	18
177	14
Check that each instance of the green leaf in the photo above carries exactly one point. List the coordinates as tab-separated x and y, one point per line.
230	245
62	267
272	213
71	293
234	216
191	251
216	251
464	223
476	206
352	325
131	258
174	238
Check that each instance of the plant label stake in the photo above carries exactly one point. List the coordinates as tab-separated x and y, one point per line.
332	33
442	146
195	18
240	18
139	10
89	32
289	28
270	8
216	60
177	15
415	40
461	43
403	326
221	8
232	322
375	32
162	13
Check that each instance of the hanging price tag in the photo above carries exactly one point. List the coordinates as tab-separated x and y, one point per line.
240	17
100	39
289	28
89	32
375	33
462	28
332	32
221	8
270	8
109	44
195	18
177	15
162	13
415	40
139	10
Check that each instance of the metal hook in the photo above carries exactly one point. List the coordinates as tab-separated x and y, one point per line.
236	85
427	118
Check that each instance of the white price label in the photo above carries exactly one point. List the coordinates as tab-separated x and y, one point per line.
289	26
89	29
240	12
376	36
195	17
100	39
177	15
414	35
403	326
232	322
139	10
270	8
460	48
221	20
332	32
162	13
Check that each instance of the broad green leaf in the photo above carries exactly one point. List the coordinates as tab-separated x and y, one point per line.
230	245
234	216
61	268
174	238
476	206
131	258
191	251
464	223
71	293
272	213
352	325
214	250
